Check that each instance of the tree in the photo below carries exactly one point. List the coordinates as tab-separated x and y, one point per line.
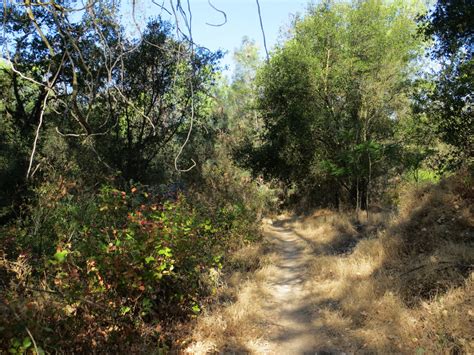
331	96
85	81
159	96
240	97
72	72
14	142
451	26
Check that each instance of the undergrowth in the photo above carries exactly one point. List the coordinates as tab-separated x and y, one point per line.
113	269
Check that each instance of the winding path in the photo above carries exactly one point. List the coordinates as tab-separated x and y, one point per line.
294	328
275	311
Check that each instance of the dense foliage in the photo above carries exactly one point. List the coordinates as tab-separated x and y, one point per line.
450	24
331	99
106	239
131	170
112	264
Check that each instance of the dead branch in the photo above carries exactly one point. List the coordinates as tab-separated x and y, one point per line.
220	11
263	31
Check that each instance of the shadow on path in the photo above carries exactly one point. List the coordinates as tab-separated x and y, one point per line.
298	330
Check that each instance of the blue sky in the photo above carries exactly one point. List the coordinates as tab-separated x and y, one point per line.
242	20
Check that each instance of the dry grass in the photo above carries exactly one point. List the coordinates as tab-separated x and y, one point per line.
408	284
237	321
389	284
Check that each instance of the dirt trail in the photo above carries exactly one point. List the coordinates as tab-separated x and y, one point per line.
330	283
294	328
273	311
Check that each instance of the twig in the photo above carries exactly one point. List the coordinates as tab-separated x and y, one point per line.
263	32
43	290
189	27
33	340
49	89
222	12
37	135
53	292
187	137
23	76
36	169
454	264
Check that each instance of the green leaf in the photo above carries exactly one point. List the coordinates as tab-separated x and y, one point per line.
162	267
60	255
149	259
26	343
196	308
124	310
166	252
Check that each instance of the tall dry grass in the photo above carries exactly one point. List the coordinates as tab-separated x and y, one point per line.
236	321
401	283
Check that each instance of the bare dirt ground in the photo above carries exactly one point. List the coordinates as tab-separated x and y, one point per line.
295	328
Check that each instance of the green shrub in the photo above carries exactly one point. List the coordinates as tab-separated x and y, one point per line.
120	265
423	175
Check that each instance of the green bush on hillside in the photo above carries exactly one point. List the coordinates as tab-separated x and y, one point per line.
120	265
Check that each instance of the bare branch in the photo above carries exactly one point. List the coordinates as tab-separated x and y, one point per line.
263	32
187	137
37	134
33	340
38	28
220	11
40	123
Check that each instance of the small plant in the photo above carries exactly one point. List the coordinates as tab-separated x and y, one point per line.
19	347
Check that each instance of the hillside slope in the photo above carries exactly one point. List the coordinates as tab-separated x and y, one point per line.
332	282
